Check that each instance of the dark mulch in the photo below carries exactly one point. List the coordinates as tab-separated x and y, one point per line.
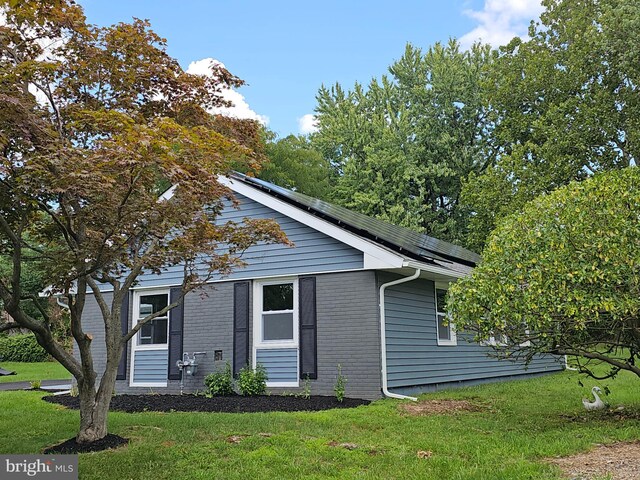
228	404
71	446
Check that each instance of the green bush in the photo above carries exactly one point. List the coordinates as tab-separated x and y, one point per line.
341	385
21	348
253	382
220	383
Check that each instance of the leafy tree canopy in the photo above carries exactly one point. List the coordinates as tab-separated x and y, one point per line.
94	122
564	105
401	147
293	162
563	276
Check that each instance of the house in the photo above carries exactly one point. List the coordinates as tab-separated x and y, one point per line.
354	291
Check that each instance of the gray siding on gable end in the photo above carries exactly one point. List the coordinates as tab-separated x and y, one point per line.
413	354
313	252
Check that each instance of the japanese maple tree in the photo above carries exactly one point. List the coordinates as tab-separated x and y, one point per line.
95	123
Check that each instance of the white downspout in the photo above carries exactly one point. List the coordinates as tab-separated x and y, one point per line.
566	365
383	336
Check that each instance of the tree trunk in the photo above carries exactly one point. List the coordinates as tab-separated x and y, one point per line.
94	410
94	406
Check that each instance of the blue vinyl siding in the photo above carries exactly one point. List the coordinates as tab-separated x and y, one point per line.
313	252
281	363
150	366
414	356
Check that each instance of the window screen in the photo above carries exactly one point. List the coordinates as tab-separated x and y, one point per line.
277	308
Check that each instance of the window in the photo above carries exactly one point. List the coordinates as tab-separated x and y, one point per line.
277	312
275	330
155	331
446	330
496	340
150	349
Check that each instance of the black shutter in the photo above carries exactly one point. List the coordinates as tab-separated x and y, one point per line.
176	320
308	328
240	326
124	322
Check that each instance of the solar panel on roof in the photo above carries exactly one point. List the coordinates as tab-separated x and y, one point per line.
386	233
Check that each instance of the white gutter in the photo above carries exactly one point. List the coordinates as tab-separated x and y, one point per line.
426	267
383	337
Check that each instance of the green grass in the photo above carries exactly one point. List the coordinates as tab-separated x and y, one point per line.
27	372
522	423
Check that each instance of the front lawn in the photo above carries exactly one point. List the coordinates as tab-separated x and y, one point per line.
515	426
27	372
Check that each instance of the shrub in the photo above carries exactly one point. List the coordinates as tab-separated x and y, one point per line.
306	387
253	382
341	384
36	384
220	382
21	348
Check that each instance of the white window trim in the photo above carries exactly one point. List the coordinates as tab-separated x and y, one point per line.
453	337
492	341
134	341
258	343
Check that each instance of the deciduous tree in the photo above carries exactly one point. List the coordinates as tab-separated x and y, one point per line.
93	123
564	105
293	162
402	146
562	277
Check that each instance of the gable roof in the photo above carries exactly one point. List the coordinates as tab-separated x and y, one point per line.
401	240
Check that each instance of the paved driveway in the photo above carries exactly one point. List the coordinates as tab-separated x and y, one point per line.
52	385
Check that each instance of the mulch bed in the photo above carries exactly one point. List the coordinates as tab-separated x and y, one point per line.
226	404
71	447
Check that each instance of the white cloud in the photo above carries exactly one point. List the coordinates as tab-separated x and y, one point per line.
240	108
307	124
501	20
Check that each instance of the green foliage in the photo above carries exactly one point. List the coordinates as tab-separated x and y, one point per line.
35	384
253	382
82	174
21	348
306	387
341	384
401	146
562	276
564	105
292	162
31	281
220	382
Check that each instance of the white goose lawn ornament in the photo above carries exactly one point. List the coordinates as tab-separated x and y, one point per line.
595	405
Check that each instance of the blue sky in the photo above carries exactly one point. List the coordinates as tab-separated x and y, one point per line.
286	50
